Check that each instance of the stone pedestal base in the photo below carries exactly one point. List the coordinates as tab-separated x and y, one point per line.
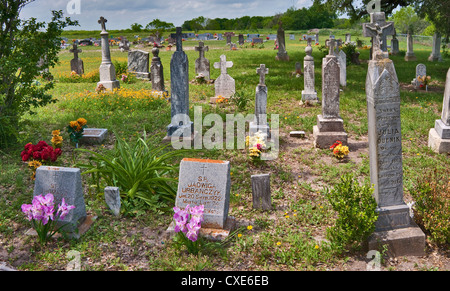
400	242
109	85
309	96
410	58
438	144
328	131
282	57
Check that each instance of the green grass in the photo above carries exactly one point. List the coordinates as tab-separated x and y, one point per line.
298	176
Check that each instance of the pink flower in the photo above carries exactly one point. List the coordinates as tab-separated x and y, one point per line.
64	209
181	218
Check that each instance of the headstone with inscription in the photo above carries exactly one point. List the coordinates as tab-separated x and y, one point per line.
309	93
157	71
439	136
138	64
394	226
207	182
330	126
282	54
421	71
63	183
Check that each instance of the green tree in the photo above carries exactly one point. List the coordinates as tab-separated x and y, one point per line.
136	27
437	12
23	45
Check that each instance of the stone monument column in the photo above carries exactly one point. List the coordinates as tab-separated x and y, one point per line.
309	93
107	69
260	122
394	226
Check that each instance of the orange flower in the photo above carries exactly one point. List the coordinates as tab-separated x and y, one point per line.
82	121
74	124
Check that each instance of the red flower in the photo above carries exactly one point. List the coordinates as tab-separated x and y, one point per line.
335	144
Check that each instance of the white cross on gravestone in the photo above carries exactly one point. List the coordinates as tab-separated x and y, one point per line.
102	21
201	48
378	29
223	65
262	71
75	50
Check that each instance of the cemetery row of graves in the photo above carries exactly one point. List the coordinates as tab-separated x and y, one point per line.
339	155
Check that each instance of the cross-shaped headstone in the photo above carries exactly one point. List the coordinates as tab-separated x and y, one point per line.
75	50
378	29
102	21
332	43
223	65
179	39
262	71
201	48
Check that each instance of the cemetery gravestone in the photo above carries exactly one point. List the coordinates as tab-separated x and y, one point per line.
107	69
342	59
241	39
439	136
261	193
138	64
260	122
157	72
179	78
257	40
112	199
436	49
394	225
309	93
410	56
282	54
64	183
224	85
76	64
94	135
330	126
421	71
202	64
207	182
394	45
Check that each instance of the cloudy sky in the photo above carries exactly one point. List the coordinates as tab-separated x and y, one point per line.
122	13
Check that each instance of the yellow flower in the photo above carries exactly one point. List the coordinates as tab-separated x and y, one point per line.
73	124
249	227
56	132
239	234
56	139
82	121
316	247
278	243
34	164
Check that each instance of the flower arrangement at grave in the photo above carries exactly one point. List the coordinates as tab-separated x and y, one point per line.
41	212
339	151
200	79
256	145
76	129
124	78
41	152
100	88
33	165
188	222
423	81
221	100
56	139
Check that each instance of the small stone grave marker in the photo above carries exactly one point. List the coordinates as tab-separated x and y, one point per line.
261	191
94	135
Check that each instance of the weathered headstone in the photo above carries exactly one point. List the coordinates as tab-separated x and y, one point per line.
225	85
257	40
107	69
63	183
395	49
282	54
309	93
260	122
410	56
94	135
202	64
378	29
228	36
342	59
124	44
436	49
157	71
439	136
385	154
330	126
421	71
179	78
112	199
138	64
348	38
76	64
207	182
261	193
241	39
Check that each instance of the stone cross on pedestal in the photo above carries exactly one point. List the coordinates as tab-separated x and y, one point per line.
76	64
223	65
202	63
378	29
107	69
262	71
103	21
332	44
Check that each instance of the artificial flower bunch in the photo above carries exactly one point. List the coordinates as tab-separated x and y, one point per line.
188	222
220	99
33	165
41	212
56	139
423	80
40	152
76	129
339	151
256	144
